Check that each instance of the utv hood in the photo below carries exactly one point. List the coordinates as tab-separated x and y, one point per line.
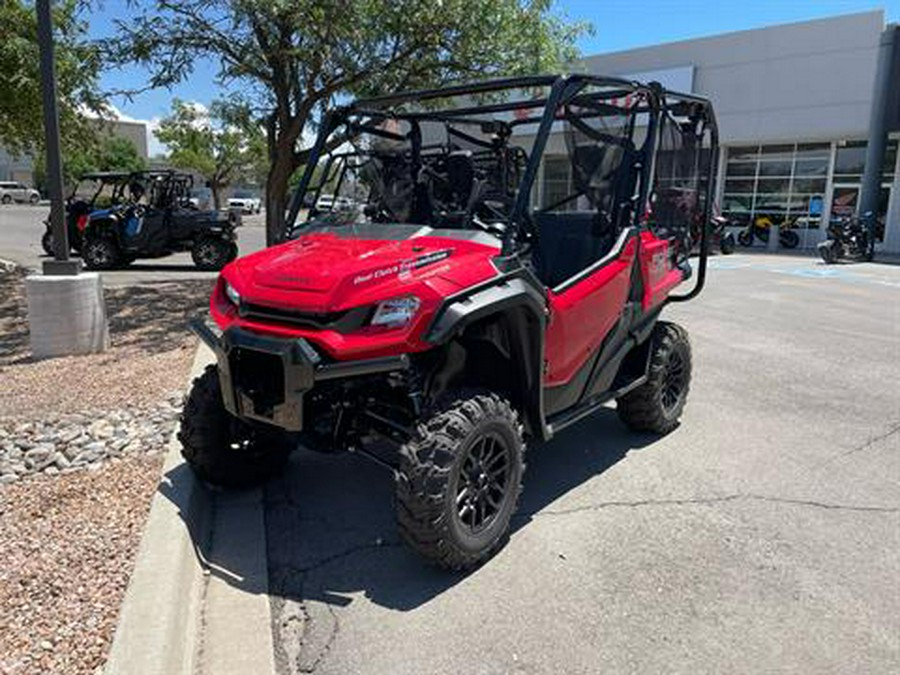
338	267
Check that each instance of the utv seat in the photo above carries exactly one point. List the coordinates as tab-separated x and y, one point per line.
569	242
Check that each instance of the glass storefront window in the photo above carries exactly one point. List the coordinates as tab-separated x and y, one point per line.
769	185
772	151
811	167
789	186
776	168
746	186
742	169
850	158
808	185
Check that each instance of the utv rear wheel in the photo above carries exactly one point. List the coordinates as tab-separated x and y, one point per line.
212	254
100	252
459	479
223	450
656	405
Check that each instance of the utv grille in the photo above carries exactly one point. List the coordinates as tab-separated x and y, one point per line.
343	322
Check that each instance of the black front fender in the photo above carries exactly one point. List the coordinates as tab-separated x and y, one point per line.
521	306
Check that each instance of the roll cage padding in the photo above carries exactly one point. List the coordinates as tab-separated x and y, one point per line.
515	300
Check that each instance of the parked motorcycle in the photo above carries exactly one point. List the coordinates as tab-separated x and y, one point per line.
717	234
848	238
760	228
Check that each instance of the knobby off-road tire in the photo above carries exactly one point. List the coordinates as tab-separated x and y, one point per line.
101	252
47	242
459	479
212	253
656	405
223	450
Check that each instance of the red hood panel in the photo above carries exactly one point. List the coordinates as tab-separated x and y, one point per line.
327	272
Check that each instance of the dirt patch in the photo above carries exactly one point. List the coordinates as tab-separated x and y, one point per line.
150	354
69	544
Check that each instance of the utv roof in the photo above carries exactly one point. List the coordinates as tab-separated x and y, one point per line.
488	86
116	175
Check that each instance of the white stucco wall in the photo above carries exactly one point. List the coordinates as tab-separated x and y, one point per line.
810	80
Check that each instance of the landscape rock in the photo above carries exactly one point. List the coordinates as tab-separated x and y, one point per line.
62	443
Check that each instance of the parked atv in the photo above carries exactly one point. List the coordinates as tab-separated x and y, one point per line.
110	189
158	220
446	320
848	239
760	228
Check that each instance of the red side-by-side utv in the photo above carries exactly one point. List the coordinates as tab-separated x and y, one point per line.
492	269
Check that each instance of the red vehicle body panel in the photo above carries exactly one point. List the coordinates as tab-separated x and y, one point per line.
582	315
324	272
658	274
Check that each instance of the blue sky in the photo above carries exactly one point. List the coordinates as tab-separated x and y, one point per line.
619	24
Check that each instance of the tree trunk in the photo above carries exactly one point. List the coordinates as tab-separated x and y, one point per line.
276	200
217	198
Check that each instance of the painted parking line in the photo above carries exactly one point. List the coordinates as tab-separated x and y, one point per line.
807	272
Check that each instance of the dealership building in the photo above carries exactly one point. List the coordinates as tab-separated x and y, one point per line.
795	110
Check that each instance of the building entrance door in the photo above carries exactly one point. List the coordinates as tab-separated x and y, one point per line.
845	202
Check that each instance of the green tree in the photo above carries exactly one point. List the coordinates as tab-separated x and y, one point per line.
102	152
77	67
292	58
222	144
119	154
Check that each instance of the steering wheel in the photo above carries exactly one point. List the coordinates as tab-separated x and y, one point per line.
491	207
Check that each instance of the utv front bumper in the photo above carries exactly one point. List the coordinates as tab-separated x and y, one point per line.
265	378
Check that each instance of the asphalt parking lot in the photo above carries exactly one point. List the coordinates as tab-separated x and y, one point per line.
763	535
21	228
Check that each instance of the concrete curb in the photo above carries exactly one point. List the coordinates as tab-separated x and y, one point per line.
197	600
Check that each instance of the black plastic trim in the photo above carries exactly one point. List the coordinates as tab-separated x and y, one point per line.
302	368
614	254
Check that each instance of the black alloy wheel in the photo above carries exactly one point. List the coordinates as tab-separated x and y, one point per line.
483	483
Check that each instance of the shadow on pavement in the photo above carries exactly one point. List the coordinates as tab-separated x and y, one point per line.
330	524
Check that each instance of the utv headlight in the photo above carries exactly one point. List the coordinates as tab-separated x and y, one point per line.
396	312
232	295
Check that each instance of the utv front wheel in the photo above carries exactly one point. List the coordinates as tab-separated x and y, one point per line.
223	450
656	405
459	479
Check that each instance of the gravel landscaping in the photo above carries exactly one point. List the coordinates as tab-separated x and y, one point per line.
81	446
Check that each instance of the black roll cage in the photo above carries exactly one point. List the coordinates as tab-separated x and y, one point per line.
563	89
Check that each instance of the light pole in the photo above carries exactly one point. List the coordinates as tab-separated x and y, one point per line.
66	310
61	264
